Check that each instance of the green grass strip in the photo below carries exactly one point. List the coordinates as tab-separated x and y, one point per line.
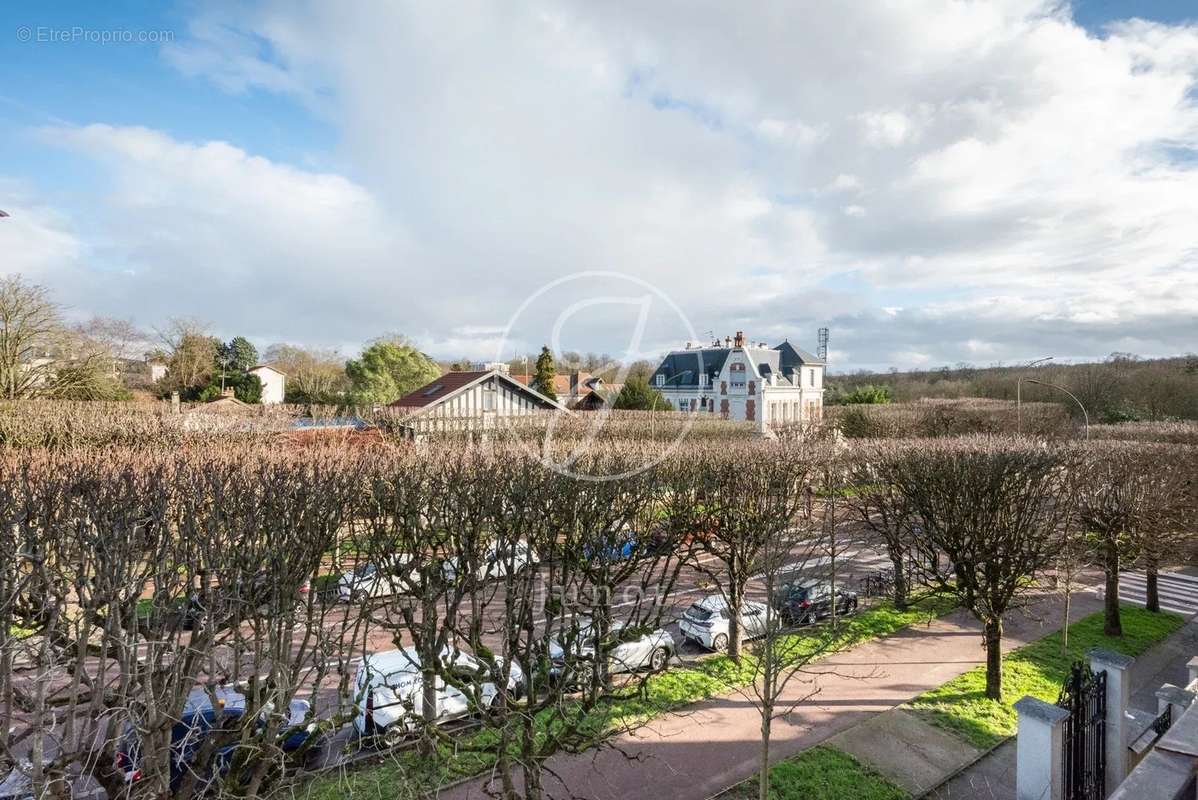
824	773
1037	669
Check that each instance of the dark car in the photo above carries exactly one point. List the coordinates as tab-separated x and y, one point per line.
200	719
615	547
802	601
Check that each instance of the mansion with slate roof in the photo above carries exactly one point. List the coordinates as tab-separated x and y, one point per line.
741	380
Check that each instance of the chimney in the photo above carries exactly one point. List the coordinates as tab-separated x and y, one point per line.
739	341
727	341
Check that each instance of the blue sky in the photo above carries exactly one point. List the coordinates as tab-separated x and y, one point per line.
946	182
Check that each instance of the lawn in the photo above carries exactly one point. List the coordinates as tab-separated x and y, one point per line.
821	773
1036	669
661	693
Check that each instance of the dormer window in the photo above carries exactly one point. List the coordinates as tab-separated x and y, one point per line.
704	379
660	379
736	374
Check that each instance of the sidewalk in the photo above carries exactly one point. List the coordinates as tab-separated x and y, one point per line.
703	749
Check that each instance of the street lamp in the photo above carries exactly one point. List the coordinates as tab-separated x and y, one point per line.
1019	393
1085	415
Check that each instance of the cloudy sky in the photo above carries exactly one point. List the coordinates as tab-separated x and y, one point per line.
934	181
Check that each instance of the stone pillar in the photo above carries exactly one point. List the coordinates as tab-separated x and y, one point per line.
1192	666
1039	770
1170	695
1118	691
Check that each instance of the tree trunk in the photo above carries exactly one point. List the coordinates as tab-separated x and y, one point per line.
900	580
994	659
734	604
1111	624
763	782
1153	599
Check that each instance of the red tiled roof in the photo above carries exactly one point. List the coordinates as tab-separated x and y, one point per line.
435	389
561	383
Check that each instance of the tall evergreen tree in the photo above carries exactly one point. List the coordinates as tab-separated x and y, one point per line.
542	379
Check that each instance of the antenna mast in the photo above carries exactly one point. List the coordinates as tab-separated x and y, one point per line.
821	349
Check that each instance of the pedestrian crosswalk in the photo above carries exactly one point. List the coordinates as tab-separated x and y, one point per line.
1178	592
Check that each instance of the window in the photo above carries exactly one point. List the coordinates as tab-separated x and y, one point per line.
737	374
704	379
659	379
811	378
489	395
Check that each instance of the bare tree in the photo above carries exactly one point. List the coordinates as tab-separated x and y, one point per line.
887	515
995	508
1114	485
190	351
747	495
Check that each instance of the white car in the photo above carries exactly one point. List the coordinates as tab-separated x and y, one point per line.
389	693
374	580
706	622
650	651
495	562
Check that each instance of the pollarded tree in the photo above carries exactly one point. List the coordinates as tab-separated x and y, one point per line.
886	513
1167	521
753	494
995	507
1116	488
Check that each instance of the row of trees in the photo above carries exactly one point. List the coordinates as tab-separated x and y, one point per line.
106	554
103	553
979	519
1121	388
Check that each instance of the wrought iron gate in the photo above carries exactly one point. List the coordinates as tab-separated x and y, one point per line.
1084	750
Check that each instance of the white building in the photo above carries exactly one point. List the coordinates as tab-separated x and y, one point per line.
274	383
742	380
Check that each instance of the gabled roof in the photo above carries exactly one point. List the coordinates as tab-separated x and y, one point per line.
267	366
453	383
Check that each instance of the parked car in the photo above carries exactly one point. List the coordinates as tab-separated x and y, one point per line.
17	784
706	621
389	691
374	580
616	547
199	720
650	651
495	562
802	601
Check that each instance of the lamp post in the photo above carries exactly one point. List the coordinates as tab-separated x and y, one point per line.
1019	393
1085	415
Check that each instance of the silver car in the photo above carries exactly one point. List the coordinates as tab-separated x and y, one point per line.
651	651
706	621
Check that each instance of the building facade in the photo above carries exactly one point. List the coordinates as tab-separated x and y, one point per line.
470	402
743	380
274	383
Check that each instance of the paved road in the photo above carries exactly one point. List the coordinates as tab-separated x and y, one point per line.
693	754
1178	591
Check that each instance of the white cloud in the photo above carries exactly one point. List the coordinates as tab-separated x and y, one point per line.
1023	178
